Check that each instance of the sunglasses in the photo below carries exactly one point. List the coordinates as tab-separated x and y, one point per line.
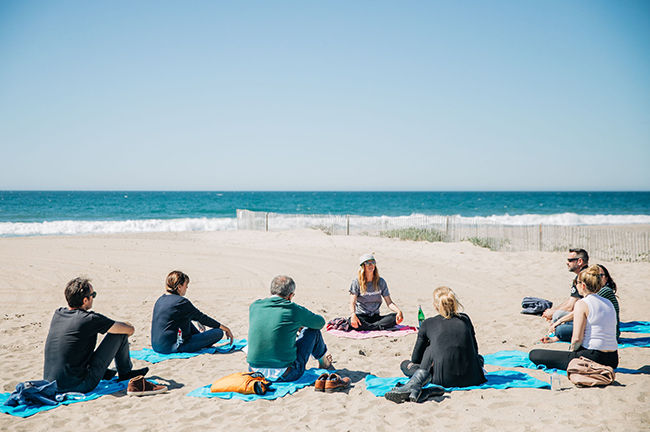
572	259
93	295
372	262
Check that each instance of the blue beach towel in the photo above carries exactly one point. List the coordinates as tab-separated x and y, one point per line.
516	358
281	388
496	380
103	388
642	342
149	355
513	359
636	326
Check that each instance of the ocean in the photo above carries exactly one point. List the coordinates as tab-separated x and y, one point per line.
34	213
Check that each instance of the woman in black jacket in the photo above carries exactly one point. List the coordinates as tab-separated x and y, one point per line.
445	353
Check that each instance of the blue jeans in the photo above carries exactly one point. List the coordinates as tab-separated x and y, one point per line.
197	341
310	342
564	331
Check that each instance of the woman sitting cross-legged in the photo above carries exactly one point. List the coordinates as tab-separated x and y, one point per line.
445	353
173	313
563	327
594	327
366	293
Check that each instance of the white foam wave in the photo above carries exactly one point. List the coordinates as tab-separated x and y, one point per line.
567	219
69	227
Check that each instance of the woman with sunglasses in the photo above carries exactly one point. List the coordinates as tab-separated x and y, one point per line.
366	293
594	327
172	330
563	327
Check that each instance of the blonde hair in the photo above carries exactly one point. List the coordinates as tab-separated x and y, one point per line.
445	300
591	278
362	279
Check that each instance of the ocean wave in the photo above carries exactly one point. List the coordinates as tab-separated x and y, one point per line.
70	227
566	219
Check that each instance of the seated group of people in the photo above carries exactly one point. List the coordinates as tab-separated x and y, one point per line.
588	319
283	335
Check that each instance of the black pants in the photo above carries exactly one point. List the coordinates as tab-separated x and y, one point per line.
114	346
376	322
560	359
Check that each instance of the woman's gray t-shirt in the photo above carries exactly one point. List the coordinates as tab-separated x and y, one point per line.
370	302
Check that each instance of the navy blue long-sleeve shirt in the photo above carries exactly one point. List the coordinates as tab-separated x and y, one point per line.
170	313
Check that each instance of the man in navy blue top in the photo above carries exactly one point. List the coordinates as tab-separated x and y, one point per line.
70	356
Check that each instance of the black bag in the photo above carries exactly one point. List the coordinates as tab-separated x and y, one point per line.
535	305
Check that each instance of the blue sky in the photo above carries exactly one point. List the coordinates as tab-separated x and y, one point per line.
336	95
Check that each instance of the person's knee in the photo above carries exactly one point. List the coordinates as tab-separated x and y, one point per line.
559	314
535	356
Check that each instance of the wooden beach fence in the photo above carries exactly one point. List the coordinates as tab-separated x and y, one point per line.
601	243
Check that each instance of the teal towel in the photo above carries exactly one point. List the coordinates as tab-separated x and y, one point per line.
642	342
516	358
103	388
149	355
635	326
496	380
281	389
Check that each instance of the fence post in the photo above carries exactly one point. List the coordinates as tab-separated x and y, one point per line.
540	237
447	229
266	217
347	226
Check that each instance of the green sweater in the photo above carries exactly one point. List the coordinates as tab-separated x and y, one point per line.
272	327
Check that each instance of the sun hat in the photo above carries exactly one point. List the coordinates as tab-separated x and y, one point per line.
366	257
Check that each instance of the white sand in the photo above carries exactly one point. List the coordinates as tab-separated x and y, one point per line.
231	269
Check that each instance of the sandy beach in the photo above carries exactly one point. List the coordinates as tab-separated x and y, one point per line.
230	269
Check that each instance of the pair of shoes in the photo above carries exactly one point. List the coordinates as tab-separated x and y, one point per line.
411	390
336	382
139	386
132	374
331	382
319	385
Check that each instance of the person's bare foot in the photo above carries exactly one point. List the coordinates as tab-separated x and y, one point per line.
548	339
325	362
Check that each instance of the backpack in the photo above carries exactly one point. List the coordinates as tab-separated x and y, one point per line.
242	382
587	373
535	305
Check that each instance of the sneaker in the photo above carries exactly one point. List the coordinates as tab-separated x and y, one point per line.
319	385
335	383
139	386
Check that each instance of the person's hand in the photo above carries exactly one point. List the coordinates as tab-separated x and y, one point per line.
400	317
354	321
228	333
548	314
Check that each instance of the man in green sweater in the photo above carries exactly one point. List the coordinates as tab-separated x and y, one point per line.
282	335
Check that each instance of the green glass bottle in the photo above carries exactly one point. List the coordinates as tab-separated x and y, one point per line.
420	316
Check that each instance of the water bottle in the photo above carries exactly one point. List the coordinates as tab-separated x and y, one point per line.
555	380
179	338
420	316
